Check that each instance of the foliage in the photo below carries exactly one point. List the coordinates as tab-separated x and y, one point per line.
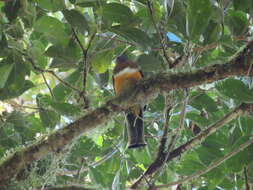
56	54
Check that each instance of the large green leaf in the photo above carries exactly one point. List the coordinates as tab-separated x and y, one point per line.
76	20
212	33
237	22
137	36
102	60
5	70
52	29
36	52
64	57
149	62
203	101
235	89
16	83
119	13
198	119
190	164
177	23
198	15
246	124
14	90
51	5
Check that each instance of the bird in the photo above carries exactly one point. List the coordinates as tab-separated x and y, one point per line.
126	74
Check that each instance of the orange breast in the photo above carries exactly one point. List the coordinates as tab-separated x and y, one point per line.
125	81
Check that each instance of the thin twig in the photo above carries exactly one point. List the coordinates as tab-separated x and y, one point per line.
247	184
210	167
161	37
85	65
181	124
106	157
163	149
49	88
177	133
38	69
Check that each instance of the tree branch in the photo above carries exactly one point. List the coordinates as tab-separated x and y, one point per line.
85	65
68	188
48	86
247	184
143	92
198	139
207	169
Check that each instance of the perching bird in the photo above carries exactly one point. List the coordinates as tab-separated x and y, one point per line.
126	74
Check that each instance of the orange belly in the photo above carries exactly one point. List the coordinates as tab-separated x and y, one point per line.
125	81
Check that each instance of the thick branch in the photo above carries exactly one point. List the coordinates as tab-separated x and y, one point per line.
143	92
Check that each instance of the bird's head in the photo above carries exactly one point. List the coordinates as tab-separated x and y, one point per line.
121	59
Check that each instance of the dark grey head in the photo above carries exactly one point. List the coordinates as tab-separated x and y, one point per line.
121	59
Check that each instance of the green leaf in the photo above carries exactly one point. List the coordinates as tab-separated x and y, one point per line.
177	23
119	13
246	124
198	14
8	137
49	118
212	33
16	83
61	92
237	162
87	3
197	118
149	63
215	176
245	5
190	164
102	60
52	29
65	108
203	101
226	183
76	20
64	57
116	181
142	156
5	70
51	5
36	52
237	22
20	125
14	91
3	44
235	89
96	176
134	35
